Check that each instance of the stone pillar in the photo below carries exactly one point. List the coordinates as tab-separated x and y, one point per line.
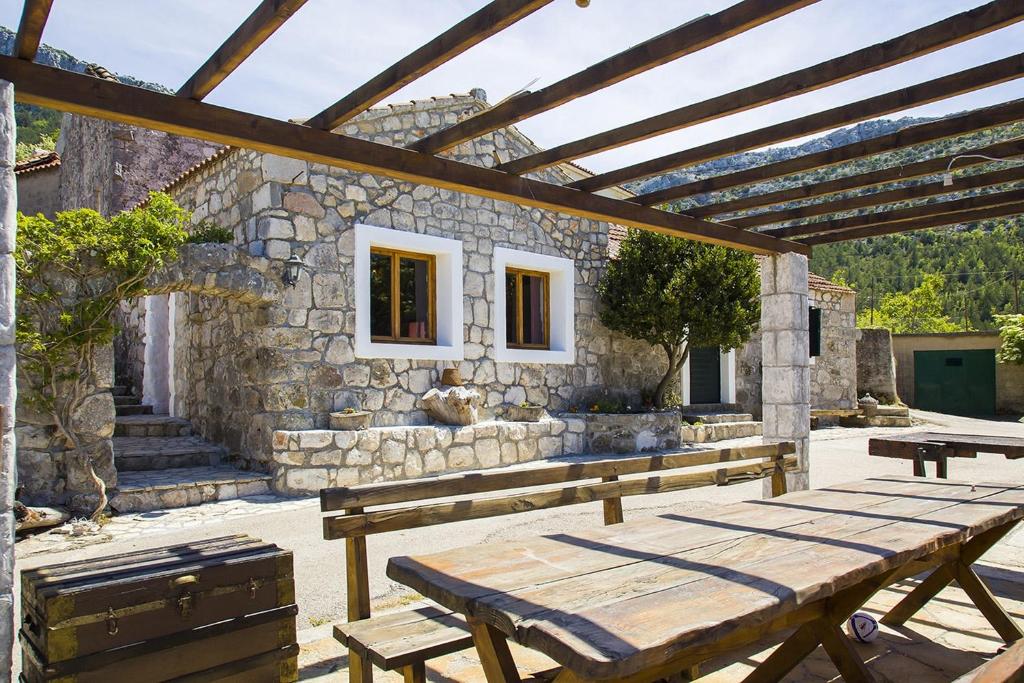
785	355
8	389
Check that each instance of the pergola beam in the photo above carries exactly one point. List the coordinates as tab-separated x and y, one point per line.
968	80
980	201
922	41
30	29
882	176
877	199
951	126
479	26
269	16
941	221
58	89
669	46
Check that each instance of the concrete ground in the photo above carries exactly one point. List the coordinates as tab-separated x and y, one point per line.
837	455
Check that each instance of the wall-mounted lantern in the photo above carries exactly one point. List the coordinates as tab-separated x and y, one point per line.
292	269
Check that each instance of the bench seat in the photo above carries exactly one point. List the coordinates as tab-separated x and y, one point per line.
400	639
1006	667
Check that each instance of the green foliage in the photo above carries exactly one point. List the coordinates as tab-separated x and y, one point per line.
917	311
1011	332
72	273
207	232
676	293
37	129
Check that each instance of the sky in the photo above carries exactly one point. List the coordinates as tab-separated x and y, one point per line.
331	46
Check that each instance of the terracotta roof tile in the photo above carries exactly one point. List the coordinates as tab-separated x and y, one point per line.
38	163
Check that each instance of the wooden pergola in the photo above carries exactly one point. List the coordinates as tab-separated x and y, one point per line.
424	161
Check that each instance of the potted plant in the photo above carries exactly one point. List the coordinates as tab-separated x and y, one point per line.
525	412
350	419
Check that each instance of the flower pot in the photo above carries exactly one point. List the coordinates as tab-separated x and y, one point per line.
451	377
868	405
347	422
517	413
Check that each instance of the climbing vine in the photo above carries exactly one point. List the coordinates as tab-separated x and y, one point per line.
72	272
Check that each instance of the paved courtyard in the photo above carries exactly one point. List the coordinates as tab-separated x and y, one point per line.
930	648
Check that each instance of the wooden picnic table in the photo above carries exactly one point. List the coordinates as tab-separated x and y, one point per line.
653	597
922	447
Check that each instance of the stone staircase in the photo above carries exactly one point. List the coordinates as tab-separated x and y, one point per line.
161	464
707	423
885	416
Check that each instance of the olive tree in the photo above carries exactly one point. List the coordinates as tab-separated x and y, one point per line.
676	294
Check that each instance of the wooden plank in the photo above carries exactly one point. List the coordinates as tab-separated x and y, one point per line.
268	16
875	199
592	601
951	126
34	14
944	208
1006	667
669	46
941	221
381	521
881	176
399	639
968	80
498	480
357	592
66	91
941	34
958	445
613	506
485	22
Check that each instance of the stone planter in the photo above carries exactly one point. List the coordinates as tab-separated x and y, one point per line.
351	421
868	405
518	413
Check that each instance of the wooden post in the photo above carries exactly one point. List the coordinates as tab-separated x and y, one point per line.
612	506
357	580
779	477
492	648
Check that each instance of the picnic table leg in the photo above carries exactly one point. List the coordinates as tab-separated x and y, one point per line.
840	650
919	470
495	657
942	467
970	552
415	673
983	599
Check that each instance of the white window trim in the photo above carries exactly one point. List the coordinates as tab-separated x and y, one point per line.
448	290
562	297
727	378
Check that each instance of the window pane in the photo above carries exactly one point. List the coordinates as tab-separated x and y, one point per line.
380	295
414	297
533	309
511	308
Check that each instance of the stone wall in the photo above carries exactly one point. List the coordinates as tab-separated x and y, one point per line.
304	462
876	365
246	373
37	191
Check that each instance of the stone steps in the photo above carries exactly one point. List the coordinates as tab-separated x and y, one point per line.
122	410
120	390
720	431
716	418
706	408
148	453
151	425
127	401
877	421
178	487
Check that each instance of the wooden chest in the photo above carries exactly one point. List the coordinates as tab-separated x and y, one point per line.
216	610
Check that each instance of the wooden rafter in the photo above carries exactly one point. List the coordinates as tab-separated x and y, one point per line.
968	80
30	30
940	221
881	176
944	33
480	25
686	39
951	126
58	89
979	201
875	199
269	16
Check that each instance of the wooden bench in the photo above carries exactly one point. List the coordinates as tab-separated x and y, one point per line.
1006	667
405	640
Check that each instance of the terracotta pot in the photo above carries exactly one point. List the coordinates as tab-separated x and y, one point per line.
517	413
347	422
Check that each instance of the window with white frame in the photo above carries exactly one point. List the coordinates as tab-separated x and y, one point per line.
534	300
408	295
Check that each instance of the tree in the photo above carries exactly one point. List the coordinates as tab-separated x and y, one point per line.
675	293
1011	333
72	273
918	311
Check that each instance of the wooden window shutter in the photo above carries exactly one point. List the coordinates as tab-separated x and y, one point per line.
815	330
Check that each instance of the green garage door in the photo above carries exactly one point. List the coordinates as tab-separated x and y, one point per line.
955	382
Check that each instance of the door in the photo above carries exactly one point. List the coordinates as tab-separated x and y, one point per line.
158	370
955	382
705	376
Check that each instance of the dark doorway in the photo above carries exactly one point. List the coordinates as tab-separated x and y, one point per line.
705	376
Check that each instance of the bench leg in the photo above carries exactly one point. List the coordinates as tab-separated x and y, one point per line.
360	669
944	575
842	653
495	657
983	599
415	673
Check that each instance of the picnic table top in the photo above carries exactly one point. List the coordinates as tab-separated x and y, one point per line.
613	601
896	445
